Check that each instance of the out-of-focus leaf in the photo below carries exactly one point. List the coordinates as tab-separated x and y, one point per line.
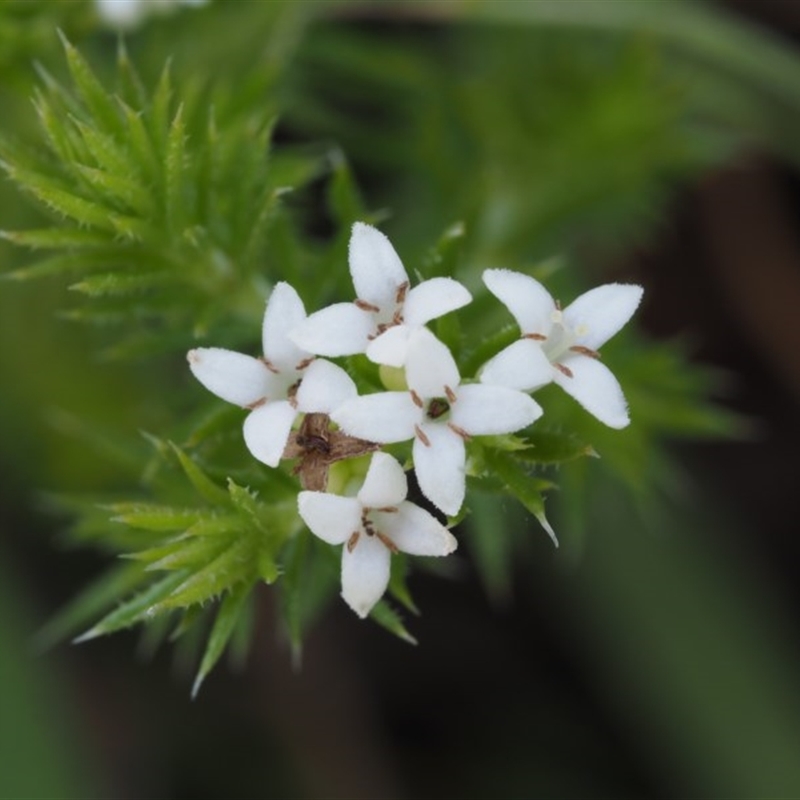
228	615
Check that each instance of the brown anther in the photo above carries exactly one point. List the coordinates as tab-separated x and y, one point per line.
388	509
397	318
417	399
451	395
257	404
304	363
268	364
291	394
402	291
460	431
388	542
421	436
585	351
564	370
353	541
537	337
365	306
366	523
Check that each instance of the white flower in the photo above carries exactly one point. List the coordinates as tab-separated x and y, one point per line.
375	523
277	387
127	14
439	414
561	346
386	311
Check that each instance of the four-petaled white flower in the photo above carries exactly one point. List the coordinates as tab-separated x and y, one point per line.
375	523
277	387
561	346
386	312
439	414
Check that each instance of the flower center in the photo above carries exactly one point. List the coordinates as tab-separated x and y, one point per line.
560	340
437	408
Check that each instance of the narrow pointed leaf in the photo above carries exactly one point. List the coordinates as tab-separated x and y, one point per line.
231	566
151	517
55	238
137	608
95	599
97	100
526	488
230	610
388	618
117	283
206	488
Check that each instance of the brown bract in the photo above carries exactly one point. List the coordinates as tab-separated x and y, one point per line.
317	447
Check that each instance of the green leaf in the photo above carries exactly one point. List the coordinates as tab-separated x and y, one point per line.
173	172
131	88
120	283
63	201
388	618
553	447
151	517
228	616
206	488
54	239
106	152
90	603
344	198
234	564
493	549
127	192
310	579
245	501
191	553
91	90
160	116
136	609
398	587
526	488
442	259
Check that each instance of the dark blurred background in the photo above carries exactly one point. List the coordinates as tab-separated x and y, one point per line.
656	653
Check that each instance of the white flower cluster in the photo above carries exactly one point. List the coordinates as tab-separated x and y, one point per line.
387	322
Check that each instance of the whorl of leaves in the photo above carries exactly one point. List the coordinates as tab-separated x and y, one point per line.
159	204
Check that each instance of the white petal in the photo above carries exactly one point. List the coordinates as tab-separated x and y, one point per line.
596	389
385	417
235	377
266	431
331	517
440	467
481	409
338	330
391	347
416	532
365	574
522	365
124	14
284	312
385	484
528	301
430	365
434	298
375	267
598	314
324	387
